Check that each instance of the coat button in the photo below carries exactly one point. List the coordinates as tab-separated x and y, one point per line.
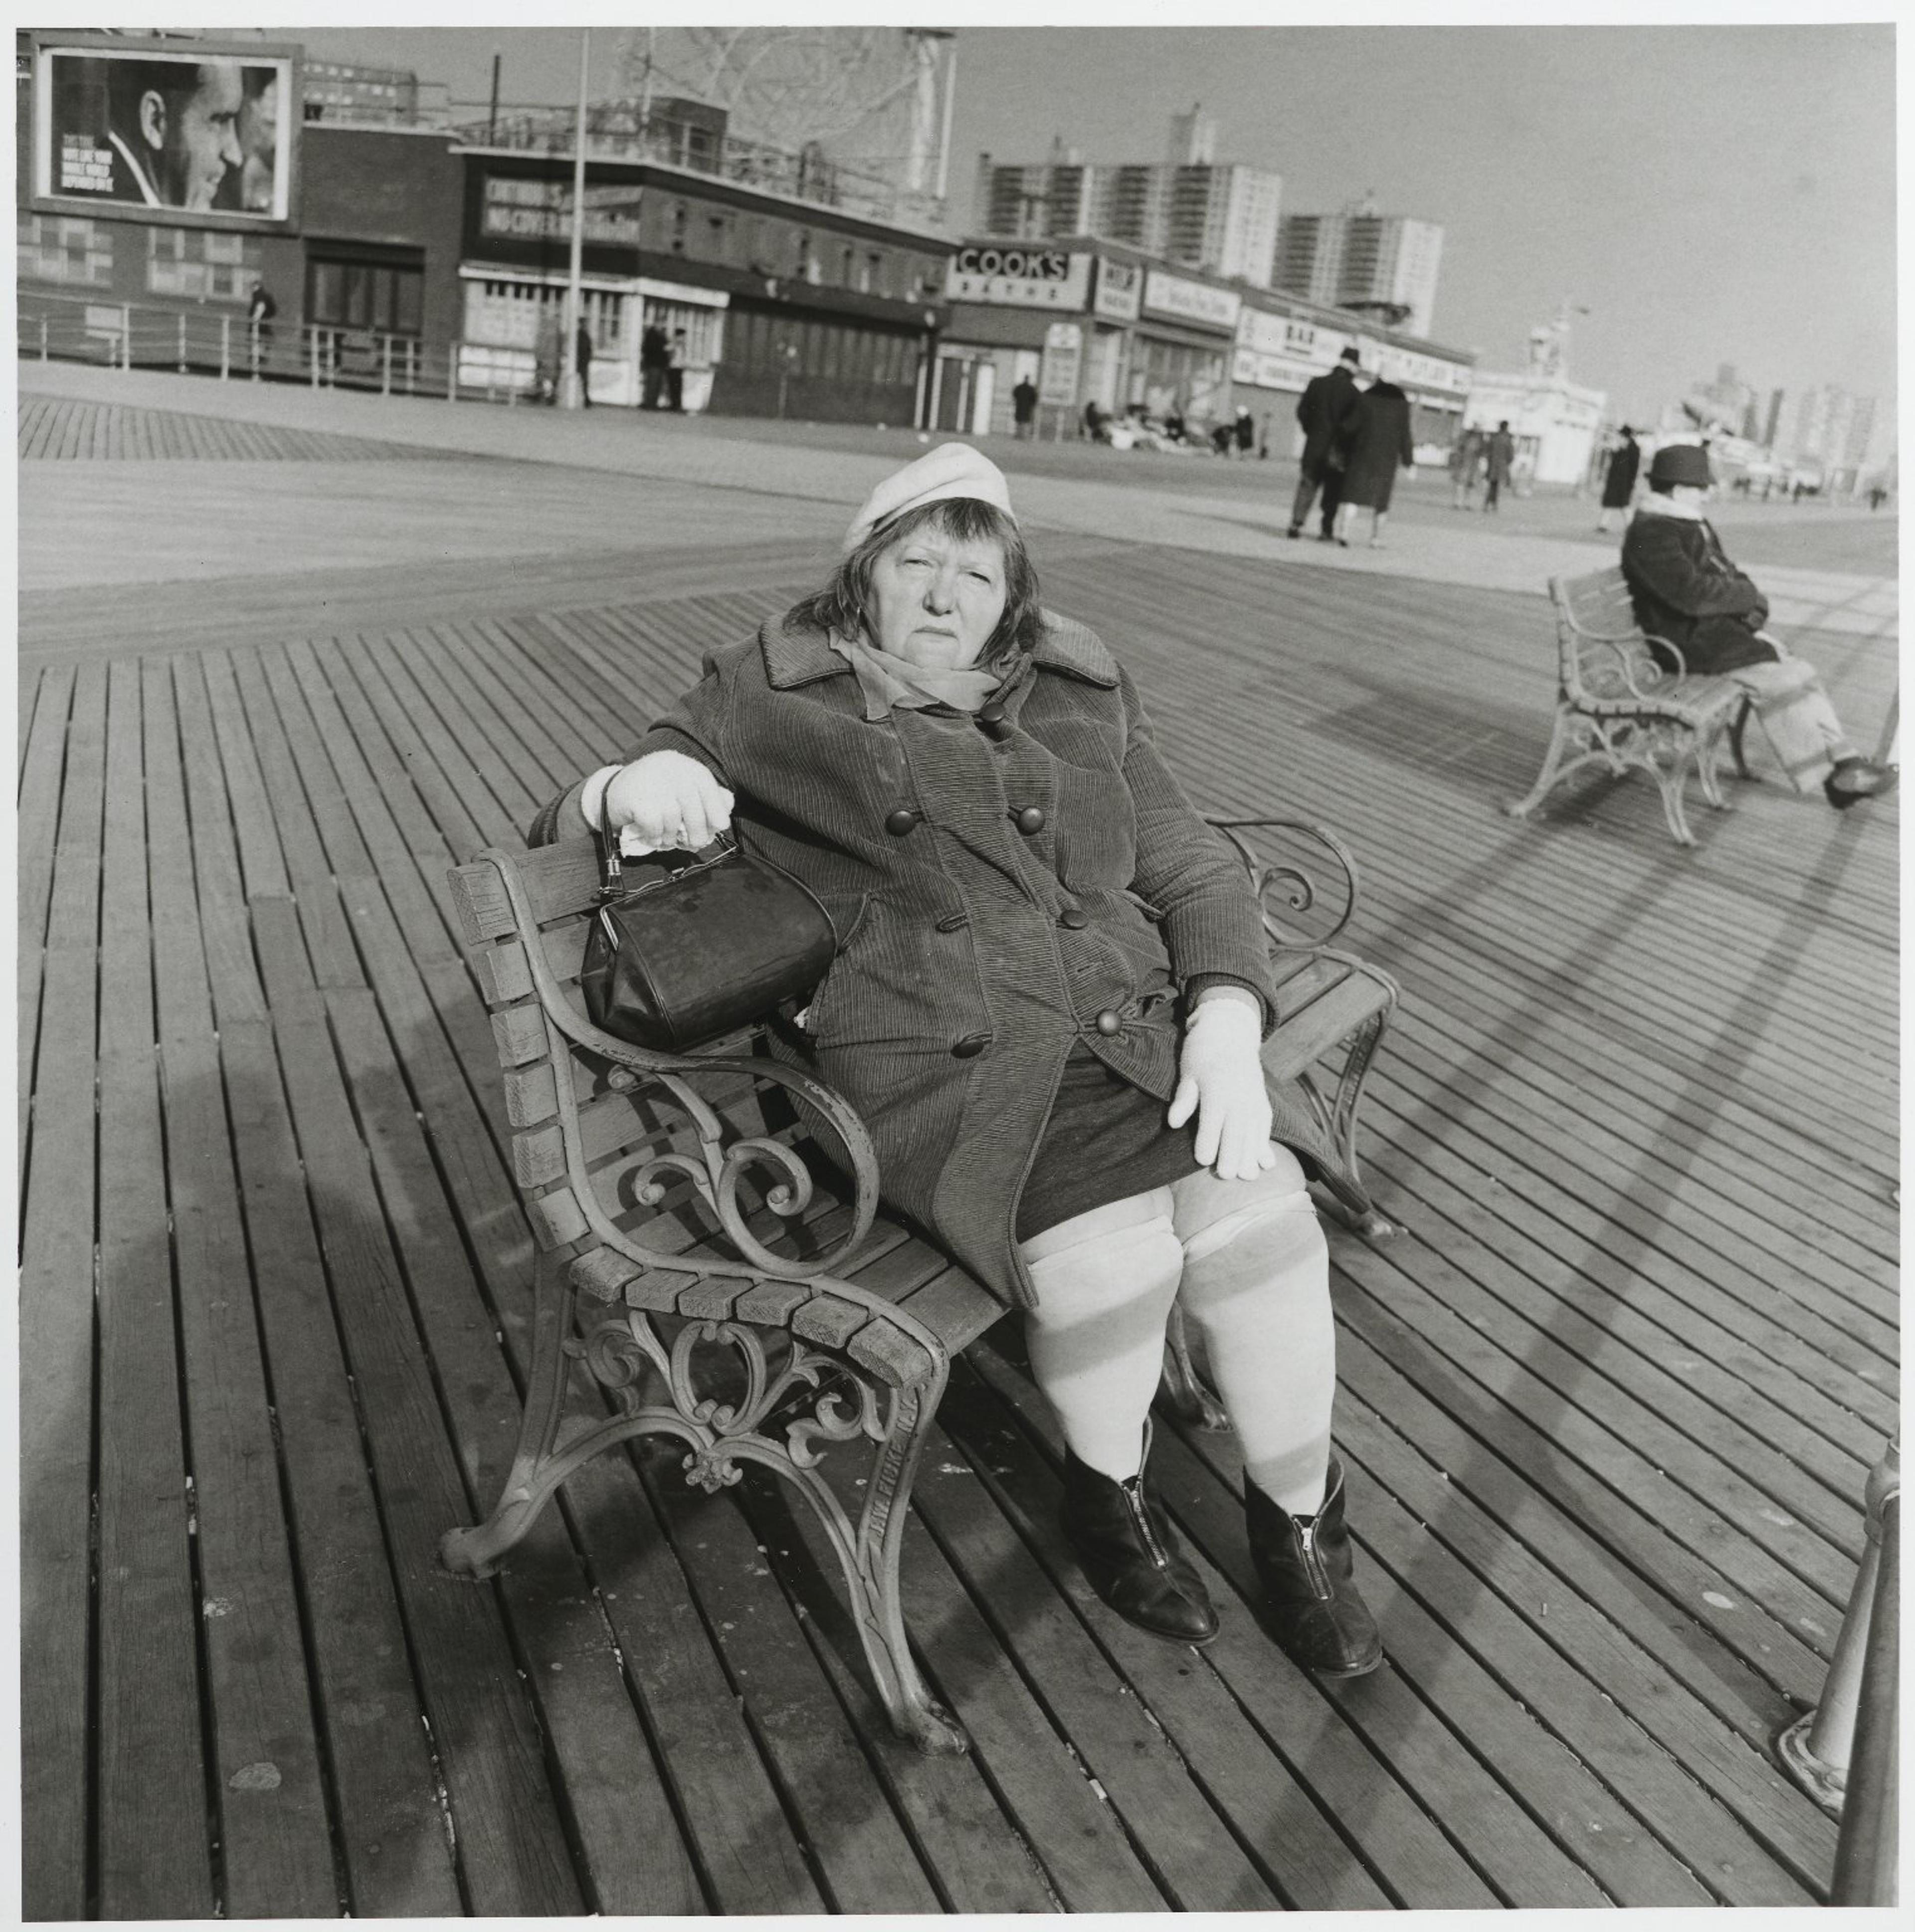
1076	917
1031	820
992	721
953	922
972	1045
1109	1024
901	821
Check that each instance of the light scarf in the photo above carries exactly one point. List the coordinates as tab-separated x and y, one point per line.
890	682
1656	505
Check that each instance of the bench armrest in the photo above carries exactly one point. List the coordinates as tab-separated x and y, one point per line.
1628	663
716	1171
1298	887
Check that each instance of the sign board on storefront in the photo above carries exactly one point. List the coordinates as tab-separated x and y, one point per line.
524	210
1013	275
1064	355
1120	289
1257	371
1191	301
1291	336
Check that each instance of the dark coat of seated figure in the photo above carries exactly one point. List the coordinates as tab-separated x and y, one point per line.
1688	594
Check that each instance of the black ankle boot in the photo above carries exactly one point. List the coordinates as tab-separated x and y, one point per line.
1123	1541
1852	779
1307	1567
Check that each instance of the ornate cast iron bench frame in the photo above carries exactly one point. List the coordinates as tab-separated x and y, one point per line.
657	1186
1617	706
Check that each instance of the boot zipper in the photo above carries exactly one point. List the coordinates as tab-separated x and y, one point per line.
1134	1496
1312	1559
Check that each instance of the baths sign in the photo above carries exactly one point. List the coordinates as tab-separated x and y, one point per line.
1017	276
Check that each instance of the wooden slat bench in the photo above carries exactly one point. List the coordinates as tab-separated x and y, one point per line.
719	1215
1618	707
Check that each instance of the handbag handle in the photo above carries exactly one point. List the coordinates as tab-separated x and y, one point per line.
611	883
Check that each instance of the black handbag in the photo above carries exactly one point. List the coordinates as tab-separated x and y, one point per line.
686	957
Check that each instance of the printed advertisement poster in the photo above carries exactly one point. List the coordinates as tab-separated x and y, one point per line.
136	127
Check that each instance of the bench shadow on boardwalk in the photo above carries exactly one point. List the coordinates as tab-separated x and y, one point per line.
1608	1404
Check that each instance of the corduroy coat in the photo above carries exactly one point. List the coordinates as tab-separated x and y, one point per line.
997	886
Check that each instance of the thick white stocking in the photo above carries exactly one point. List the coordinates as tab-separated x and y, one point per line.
1254	1271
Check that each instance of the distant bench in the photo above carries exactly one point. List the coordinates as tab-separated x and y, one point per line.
1616	706
809	1315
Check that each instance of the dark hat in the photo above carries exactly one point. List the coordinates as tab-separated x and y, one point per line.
1351	355
1679	462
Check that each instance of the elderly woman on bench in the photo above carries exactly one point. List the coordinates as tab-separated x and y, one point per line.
1047	1003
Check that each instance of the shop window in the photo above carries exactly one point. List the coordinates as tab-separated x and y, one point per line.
387	298
63	248
201	265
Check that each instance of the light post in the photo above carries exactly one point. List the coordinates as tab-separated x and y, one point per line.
571	391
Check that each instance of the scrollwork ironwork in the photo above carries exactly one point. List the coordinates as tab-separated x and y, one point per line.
1297	889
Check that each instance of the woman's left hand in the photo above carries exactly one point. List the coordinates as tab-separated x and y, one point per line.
1221	1079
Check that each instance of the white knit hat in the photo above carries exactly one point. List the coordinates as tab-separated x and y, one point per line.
951	469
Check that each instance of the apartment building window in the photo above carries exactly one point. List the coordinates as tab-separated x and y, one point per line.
201	265
63	248
681	217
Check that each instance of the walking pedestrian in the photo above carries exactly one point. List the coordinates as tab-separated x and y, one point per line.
1618	478
1499	464
1246	431
260	310
582	350
1323	413
1379	441
674	373
654	354
1466	464
1024	409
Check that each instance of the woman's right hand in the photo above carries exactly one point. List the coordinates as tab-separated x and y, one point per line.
664	802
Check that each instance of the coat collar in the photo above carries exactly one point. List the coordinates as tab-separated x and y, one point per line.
796	654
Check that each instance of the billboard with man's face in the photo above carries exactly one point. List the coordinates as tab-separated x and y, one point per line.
201	130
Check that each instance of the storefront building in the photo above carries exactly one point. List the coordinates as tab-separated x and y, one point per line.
787	308
1282	342
1089	321
1555	422
392	250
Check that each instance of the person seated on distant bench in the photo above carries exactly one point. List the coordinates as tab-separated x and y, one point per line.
1687	592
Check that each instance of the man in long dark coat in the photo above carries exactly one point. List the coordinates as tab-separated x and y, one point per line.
1704	618
1324	412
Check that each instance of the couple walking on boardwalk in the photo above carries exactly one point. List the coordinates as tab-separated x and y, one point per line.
1354	439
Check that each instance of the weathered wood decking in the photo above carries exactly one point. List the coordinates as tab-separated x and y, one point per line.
1607	1402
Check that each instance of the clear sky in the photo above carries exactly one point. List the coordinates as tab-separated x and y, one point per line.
1710	193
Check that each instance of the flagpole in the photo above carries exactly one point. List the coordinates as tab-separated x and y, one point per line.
574	304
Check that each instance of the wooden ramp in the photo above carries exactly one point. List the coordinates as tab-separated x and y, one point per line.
1607	1403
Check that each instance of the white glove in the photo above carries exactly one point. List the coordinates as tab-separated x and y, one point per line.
1220	1079
665	802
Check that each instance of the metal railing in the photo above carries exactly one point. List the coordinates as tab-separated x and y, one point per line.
133	335
1843	1753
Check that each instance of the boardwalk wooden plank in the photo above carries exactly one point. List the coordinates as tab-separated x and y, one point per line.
1720	1769
329	938
155	1848
57	1795
511	1847
619	1807
1454	1797
972	1850
1297	1847
275	1849
392	1837
36	829
863	1858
